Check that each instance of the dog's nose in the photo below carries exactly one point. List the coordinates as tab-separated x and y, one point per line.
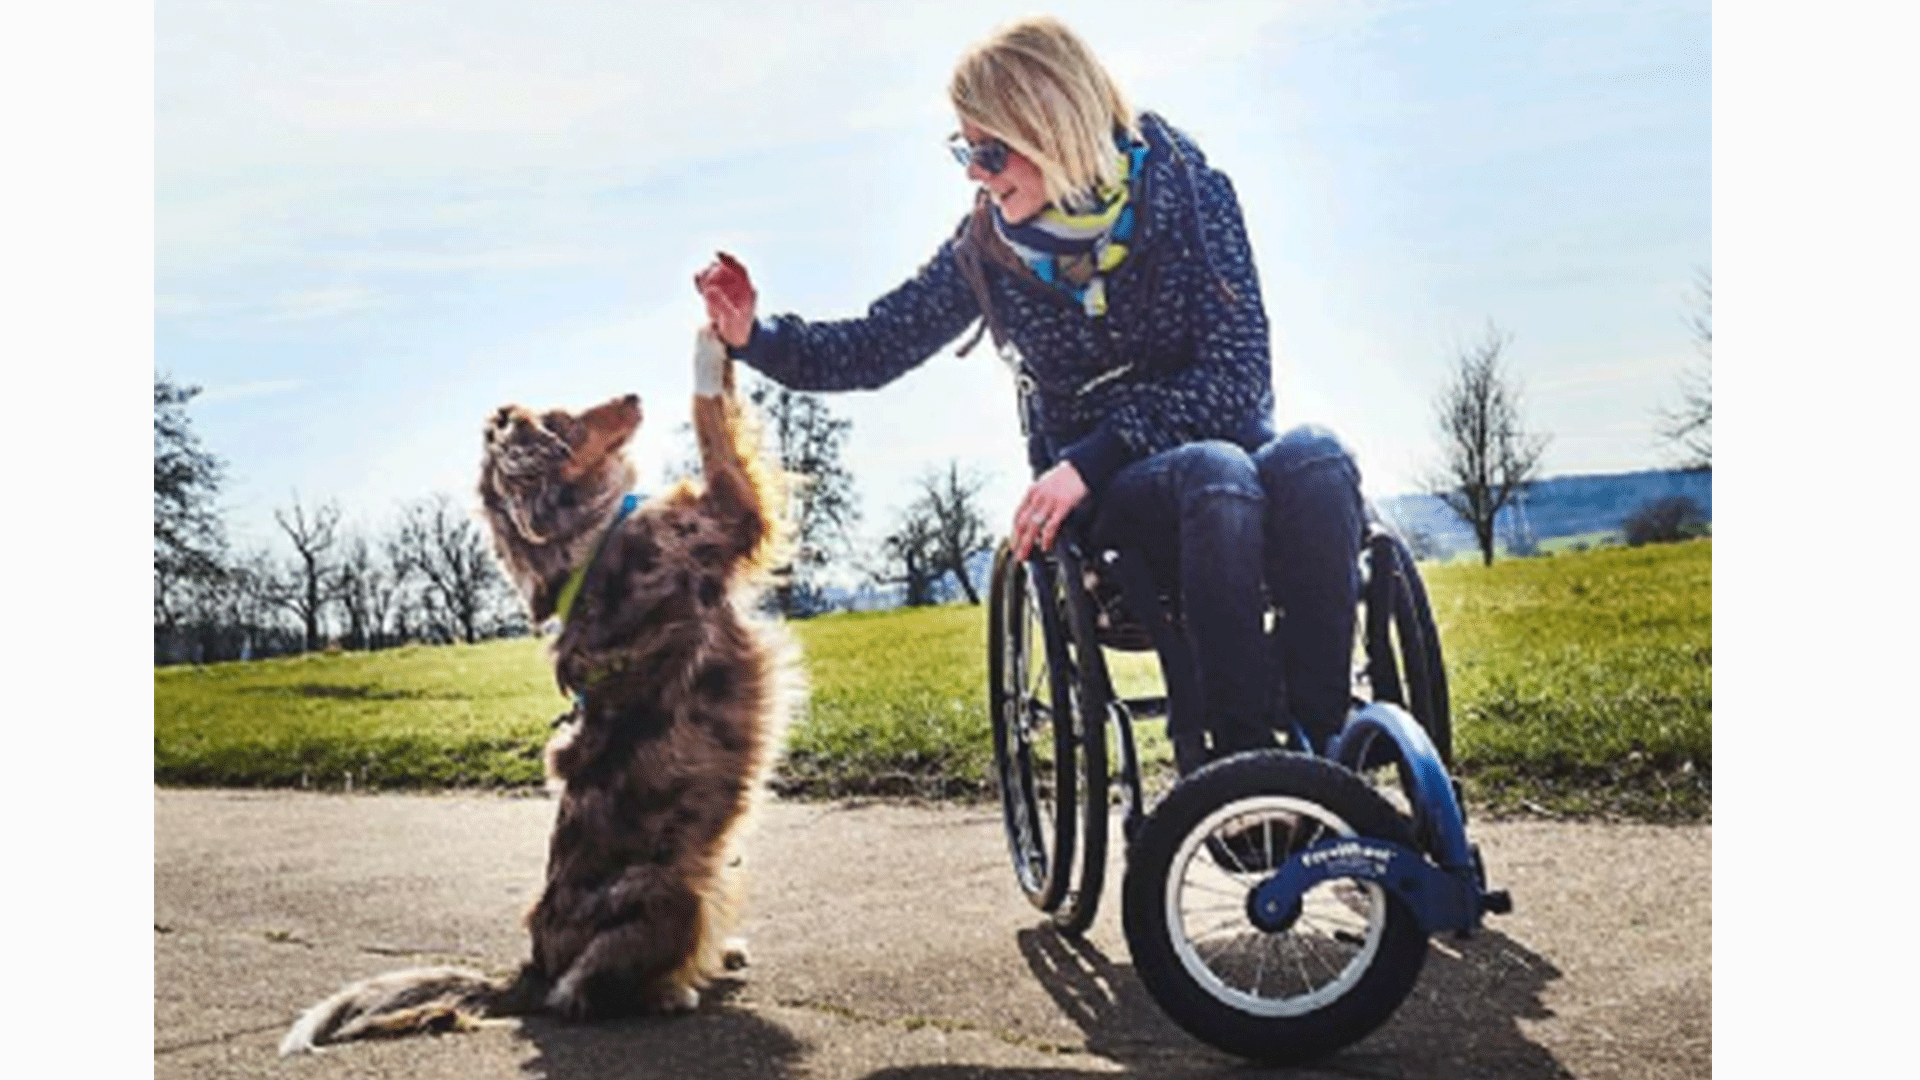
631	399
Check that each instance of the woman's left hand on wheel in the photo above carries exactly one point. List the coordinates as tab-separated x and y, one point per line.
1046	505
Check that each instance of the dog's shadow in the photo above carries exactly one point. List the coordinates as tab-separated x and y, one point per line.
720	1040
1463	1019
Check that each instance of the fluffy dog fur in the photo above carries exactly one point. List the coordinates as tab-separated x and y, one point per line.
684	697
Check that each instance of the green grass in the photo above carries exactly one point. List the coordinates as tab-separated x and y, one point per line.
459	715
1582	684
898	705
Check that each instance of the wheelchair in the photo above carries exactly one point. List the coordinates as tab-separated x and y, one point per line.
1277	903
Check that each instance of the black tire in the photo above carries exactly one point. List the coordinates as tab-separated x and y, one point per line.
1361	937
1049	717
1401	639
1091	712
1026	761
1426	670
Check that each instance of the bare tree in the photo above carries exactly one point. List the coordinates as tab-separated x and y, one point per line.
309	587
196	628
462	588
350	588
256	608
406	604
952	502
388	597
1487	458
807	440
1689	425
238	616
368	587
909	556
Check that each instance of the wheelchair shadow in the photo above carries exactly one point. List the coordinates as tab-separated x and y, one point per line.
1461	1020
720	1040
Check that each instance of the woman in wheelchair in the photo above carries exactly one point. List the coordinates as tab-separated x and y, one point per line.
1110	263
1275	904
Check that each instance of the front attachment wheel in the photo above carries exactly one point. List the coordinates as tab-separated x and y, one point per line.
1342	962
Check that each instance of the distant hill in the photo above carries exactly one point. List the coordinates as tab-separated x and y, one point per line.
1560	506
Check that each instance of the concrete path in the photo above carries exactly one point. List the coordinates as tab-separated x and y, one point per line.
889	943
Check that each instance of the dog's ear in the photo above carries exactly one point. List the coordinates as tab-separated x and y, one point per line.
530	503
521	470
599	433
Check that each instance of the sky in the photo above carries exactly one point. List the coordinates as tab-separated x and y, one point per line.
374	222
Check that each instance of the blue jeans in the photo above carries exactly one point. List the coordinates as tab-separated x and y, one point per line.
1230	533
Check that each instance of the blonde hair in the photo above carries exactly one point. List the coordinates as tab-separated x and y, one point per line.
1037	87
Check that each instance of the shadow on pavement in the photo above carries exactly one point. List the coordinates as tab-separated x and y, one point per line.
721	1041
1462	1020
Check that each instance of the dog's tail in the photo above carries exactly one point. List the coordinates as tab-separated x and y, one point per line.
409	1002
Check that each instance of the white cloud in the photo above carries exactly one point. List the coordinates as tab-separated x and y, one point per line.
175	305
235	391
401	260
1577	382
322	303
231	311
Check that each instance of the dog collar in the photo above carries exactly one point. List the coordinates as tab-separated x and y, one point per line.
571	589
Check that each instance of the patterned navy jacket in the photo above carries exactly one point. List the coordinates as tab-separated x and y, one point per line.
1181	355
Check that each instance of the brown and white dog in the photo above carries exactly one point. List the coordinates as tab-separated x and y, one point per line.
682	695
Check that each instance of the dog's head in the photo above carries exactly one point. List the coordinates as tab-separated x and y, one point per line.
545	474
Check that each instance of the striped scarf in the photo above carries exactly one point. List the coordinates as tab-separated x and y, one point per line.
1074	252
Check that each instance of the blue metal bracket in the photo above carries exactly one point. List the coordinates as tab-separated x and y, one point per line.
1429	789
1440	899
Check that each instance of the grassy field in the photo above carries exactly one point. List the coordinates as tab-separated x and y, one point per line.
458	715
1582	684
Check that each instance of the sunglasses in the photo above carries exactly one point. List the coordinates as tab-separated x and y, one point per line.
989	154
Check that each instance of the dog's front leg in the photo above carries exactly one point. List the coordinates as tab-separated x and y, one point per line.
737	489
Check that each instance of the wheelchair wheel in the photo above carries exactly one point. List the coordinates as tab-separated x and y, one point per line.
1401	639
1049	743
1338	970
1093	711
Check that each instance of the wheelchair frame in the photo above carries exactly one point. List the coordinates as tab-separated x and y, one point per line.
1062	739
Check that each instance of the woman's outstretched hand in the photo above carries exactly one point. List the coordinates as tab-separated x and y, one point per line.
728	291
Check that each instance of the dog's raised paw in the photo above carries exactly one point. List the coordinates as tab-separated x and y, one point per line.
733	954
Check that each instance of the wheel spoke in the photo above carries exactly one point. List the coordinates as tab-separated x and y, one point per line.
1201	886
1329	909
1307	981
1321	950
1220	926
